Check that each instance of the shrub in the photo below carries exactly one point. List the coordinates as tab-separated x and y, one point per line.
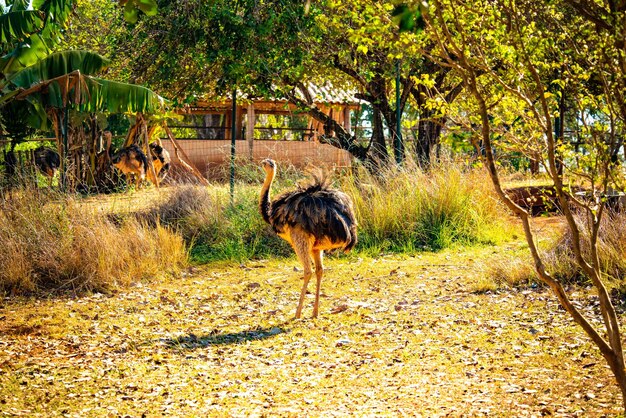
215	229
405	210
408	210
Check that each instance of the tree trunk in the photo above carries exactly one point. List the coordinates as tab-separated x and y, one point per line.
428	132
379	153
341	139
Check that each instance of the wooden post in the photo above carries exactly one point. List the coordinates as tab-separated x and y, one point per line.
347	123
250	129
150	171
184	160
229	125
312	129
239	122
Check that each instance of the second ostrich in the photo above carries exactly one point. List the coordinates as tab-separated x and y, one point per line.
48	161
312	219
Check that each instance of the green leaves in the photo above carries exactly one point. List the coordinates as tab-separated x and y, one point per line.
40	80
57	11
90	94
132	8
29	31
408	18
195	47
58	64
24	55
115	97
18	26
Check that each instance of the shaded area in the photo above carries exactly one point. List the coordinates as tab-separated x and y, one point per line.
537	200
192	341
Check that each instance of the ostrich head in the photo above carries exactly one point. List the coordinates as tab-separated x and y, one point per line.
269	166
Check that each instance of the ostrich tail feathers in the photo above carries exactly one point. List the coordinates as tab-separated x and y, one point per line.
318	180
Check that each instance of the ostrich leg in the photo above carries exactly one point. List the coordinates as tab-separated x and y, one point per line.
318	255
302	248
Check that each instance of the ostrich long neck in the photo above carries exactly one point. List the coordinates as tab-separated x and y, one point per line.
264	201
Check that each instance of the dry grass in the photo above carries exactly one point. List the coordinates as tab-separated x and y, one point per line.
424	335
404	211
409	210
55	243
99	241
611	250
515	266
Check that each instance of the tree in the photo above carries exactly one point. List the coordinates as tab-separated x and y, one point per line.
516	58
278	49
361	41
197	47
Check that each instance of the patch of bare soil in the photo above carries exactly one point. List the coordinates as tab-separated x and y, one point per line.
397	336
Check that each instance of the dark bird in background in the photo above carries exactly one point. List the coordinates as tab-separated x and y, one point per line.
312	218
132	162
10	162
160	160
47	161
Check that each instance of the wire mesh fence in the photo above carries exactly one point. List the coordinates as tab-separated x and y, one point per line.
212	157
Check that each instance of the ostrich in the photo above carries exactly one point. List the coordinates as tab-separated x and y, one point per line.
312	219
47	161
160	160
131	161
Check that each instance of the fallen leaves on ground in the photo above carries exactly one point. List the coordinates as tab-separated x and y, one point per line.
396	336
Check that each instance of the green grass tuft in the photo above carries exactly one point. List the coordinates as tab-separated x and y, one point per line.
403	211
410	210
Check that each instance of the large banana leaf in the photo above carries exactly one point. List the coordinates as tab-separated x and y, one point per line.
18	26
115	97
89	94
16	5
57	11
26	54
29	31
59	64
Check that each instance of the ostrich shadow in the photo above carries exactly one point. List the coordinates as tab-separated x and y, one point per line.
192	341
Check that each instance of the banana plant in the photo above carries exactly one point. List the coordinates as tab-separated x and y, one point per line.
29	29
68	78
45	85
29	71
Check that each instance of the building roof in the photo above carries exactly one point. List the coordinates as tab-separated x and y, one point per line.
325	94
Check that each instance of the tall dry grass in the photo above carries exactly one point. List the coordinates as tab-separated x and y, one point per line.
216	228
409	209
59	243
611	247
398	211
517	268
54	243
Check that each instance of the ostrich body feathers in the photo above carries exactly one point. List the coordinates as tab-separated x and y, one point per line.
320	211
47	160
